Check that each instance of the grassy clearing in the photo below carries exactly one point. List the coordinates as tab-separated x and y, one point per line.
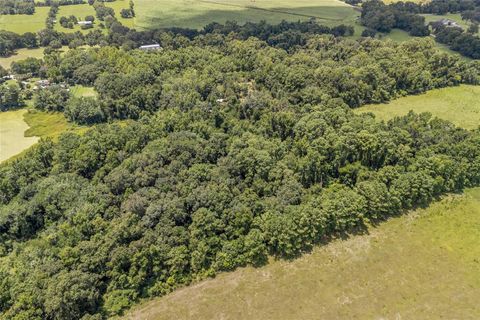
424	265
452	16
48	124
80	11
21	23
459	105
198	13
118	5
81	91
20	55
12	138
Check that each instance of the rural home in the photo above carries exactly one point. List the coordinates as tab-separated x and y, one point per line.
85	23
449	23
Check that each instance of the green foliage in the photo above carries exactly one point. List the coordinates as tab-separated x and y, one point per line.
52	98
84	110
241	149
10	97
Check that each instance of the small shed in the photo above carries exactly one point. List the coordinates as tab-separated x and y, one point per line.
150	47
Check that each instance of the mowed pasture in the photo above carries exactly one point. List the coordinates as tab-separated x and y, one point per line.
460	105
198	13
423	265
12	134
21	23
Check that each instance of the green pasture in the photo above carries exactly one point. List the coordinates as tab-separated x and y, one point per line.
452	16
82	91
21	23
423	265
21	54
198	13
118	5
80	11
460	105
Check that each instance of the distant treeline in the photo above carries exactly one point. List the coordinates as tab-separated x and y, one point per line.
284	35
17	7
233	150
377	16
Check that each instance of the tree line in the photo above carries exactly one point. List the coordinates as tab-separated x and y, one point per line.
235	150
17	7
377	16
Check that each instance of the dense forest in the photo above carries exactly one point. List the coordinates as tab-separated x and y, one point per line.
17	7
236	146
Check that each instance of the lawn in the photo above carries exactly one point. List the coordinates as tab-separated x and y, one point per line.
21	23
460	105
424	265
12	138
198	13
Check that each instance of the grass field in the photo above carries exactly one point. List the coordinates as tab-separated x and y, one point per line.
460	105
81	91
118	5
21	23
12	138
198	13
82	10
424	265
20	55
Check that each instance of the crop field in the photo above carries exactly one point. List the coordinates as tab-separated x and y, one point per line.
198	13
12	134
459	105
21	23
423	265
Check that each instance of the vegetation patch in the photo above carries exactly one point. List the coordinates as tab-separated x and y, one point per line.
21	23
459	105
422	265
12	138
198	13
21	54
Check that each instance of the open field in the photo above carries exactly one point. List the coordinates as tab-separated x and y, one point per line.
12	138
20	55
459	105
118	5
82	91
452	16
198	13
80	11
401	36
21	23
424	265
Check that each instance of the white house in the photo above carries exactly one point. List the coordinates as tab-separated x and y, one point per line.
85	23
